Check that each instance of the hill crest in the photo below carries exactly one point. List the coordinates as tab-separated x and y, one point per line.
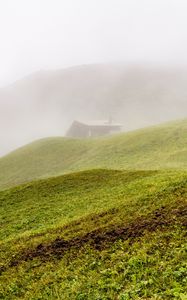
157	147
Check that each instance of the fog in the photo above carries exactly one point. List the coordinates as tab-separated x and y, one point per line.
65	60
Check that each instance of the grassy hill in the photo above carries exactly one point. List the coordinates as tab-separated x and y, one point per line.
100	234
96	218
158	147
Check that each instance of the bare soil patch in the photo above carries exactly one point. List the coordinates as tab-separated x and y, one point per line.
102	238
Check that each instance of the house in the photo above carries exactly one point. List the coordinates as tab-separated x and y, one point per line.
93	128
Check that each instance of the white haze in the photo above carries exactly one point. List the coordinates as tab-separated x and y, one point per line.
56	34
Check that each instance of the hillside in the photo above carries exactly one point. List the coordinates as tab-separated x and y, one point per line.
158	147
45	103
97	234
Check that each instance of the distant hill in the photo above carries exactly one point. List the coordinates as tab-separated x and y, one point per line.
157	147
45	103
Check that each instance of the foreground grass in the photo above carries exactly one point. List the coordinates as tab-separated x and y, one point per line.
158	147
96	235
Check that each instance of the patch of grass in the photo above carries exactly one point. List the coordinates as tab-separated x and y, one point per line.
146	259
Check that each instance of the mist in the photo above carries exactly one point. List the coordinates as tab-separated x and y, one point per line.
66	60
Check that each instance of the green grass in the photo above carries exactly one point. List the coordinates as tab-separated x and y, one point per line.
158	147
100	234
101	219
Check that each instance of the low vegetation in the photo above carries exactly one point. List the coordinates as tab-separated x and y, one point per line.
100	234
96	219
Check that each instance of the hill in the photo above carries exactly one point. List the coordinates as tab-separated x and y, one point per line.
158	147
100	234
45	103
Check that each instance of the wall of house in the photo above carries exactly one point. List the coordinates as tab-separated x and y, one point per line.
79	130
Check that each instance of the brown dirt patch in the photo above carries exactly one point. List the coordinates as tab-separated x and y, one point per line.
102	238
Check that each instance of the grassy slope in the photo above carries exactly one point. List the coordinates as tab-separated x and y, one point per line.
158	147
98	234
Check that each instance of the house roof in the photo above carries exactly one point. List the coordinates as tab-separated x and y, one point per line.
100	123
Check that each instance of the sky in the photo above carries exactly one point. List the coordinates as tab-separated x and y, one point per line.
53	34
